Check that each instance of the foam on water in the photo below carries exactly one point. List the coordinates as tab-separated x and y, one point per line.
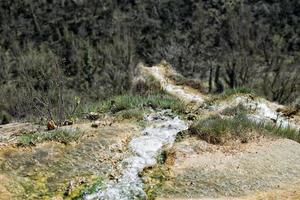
160	133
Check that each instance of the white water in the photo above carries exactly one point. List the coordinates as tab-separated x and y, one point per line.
160	133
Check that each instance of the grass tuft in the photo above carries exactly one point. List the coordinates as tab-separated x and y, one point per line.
62	136
131	114
217	130
229	93
135	102
236	110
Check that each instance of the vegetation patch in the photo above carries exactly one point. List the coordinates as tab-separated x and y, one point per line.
135	103
5	118
232	111
231	92
90	188
289	133
154	179
146	85
136	114
218	130
62	136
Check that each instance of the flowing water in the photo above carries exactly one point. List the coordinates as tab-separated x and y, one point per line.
160	132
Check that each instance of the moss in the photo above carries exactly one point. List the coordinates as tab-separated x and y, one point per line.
87	189
154	179
62	136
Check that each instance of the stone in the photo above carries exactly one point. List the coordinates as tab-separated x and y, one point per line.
93	116
191	117
96	124
68	122
51	125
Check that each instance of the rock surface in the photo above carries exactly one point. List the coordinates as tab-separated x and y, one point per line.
203	170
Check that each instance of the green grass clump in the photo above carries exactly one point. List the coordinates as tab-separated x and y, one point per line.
238	90
232	111
127	102
62	136
229	93
131	114
217	130
289	133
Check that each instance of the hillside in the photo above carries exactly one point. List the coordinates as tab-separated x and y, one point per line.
168	141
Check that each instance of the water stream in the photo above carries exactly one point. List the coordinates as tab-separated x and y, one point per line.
160	133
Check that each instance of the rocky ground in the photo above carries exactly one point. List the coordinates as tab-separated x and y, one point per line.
203	171
52	169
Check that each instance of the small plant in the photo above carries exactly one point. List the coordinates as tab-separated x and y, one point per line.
62	136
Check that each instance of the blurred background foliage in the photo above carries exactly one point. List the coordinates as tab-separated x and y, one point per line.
52	51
